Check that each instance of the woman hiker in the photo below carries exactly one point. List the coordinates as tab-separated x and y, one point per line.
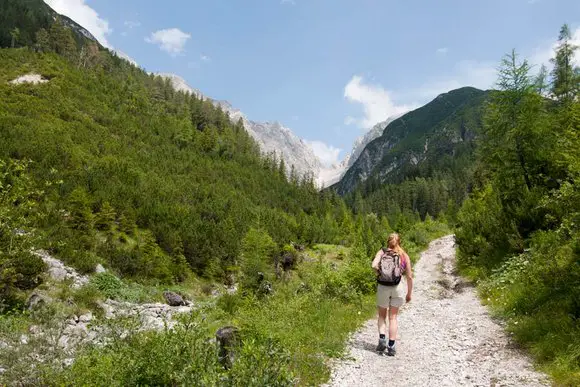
390	264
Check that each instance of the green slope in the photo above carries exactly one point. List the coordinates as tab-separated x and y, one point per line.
173	164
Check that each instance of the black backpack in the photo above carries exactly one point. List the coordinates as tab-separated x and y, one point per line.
390	271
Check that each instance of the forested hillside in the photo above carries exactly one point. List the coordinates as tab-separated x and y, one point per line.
519	232
423	164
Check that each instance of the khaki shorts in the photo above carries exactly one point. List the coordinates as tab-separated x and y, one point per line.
390	296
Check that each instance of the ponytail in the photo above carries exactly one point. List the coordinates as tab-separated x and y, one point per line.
394	243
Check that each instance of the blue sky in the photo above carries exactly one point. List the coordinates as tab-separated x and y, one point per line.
328	69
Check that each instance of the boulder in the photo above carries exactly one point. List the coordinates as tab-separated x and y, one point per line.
227	339
173	299
37	300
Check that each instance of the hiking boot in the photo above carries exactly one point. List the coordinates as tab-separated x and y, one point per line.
391	351
382	345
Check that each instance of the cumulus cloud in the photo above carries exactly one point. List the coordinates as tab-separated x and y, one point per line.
171	40
327	154
377	102
84	15
442	51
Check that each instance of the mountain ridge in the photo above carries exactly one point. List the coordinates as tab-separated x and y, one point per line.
271	136
425	133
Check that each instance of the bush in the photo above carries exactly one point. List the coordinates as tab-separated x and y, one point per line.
20	270
257	263
185	355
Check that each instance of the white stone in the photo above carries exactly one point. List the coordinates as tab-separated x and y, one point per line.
85	318
29	78
100	269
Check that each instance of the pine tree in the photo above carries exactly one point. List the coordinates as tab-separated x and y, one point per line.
105	217
62	40
512	122
15	35
565	80
541	81
42	40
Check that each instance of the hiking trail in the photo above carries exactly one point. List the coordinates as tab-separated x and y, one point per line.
446	337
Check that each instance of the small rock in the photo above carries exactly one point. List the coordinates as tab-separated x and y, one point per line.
100	269
24	339
150	322
85	318
173	299
57	273
108	309
68	362
2	370
182	309
63	341
34	330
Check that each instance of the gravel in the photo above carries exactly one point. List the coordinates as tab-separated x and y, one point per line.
446	338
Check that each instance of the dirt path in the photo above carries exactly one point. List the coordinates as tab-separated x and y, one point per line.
446	338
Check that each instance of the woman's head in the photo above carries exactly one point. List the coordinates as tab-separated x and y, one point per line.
394	241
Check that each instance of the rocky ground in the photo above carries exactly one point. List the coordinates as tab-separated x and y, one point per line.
446	338
61	339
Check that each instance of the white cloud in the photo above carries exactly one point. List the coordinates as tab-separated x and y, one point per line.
544	52
327	154
84	15
289	2
377	102
442	51
171	40
205	58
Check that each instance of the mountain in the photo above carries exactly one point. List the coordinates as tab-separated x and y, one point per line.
272	137
29	16
330	176
427	140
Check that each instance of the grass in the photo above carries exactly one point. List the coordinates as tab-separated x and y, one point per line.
289	336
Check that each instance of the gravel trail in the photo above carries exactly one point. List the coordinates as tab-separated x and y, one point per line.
446	338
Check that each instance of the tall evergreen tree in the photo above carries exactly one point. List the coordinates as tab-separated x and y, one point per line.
565	80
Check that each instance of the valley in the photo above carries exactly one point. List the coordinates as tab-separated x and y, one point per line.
140	219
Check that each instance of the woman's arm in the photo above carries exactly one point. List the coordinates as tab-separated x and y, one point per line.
409	275
377	261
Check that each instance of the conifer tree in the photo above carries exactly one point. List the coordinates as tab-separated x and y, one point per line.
565	80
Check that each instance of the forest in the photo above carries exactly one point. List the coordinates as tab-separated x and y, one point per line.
518	232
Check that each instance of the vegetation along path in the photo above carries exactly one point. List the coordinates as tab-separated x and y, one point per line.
446	337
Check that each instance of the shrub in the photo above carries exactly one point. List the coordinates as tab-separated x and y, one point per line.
257	262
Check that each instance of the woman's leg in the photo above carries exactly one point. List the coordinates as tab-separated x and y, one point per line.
393	311
382	321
